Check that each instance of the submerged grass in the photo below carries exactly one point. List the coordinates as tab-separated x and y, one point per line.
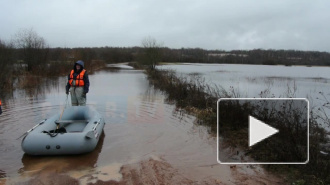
189	94
193	95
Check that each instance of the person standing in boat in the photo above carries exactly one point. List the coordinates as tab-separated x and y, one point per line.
79	83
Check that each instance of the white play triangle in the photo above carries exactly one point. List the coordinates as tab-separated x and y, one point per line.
259	131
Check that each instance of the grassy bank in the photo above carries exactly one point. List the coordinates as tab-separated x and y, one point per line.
193	95
190	94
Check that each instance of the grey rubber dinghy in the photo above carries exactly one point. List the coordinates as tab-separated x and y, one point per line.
78	131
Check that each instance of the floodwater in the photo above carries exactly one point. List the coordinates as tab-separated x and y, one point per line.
266	81
146	140
250	80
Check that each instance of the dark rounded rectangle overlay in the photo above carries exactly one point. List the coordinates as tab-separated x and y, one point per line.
290	145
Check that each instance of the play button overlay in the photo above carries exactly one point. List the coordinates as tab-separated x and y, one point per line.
263	131
259	131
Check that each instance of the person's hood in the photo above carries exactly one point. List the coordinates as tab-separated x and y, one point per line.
79	62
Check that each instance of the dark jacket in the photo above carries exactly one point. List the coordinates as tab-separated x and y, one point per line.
76	73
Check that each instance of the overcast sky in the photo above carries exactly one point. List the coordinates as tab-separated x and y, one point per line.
207	24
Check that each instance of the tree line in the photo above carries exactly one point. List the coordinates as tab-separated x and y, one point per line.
195	55
29	52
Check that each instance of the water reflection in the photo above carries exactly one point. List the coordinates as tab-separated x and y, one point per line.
118	96
250	80
39	88
61	163
262	81
139	124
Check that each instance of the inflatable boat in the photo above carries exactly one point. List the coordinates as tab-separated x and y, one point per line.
76	131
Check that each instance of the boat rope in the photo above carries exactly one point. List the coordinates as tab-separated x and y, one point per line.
54	133
51	134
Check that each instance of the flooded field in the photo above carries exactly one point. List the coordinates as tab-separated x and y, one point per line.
266	81
146	140
250	80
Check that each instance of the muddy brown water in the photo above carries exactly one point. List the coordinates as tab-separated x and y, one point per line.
145	141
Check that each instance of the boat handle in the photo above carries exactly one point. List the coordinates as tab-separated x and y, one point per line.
97	123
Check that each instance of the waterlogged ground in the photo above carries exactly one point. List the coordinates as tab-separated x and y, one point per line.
145	140
250	80
266	81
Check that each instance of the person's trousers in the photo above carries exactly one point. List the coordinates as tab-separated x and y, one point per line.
78	98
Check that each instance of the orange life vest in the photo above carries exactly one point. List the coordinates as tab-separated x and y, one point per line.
79	80
0	102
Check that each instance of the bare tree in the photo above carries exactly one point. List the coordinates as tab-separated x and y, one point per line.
6	64
32	47
152	52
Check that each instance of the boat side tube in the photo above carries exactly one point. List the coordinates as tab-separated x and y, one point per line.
37	142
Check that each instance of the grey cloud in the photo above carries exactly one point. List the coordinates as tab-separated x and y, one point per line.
212	24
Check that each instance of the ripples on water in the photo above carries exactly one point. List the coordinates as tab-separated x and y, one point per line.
139	124
249	81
